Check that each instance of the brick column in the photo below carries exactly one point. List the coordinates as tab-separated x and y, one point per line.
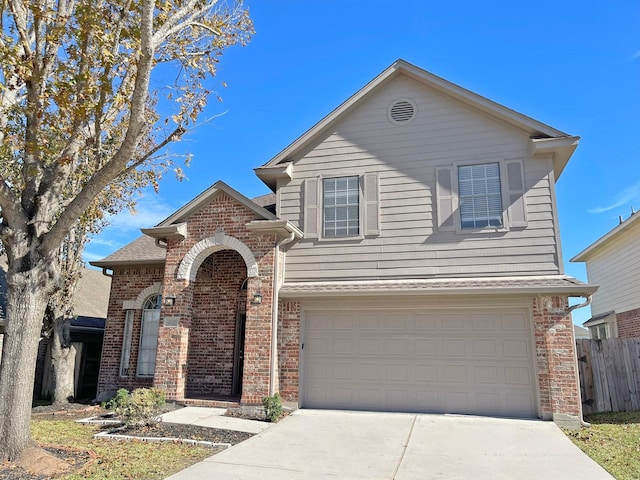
558	380
257	343
173	339
289	350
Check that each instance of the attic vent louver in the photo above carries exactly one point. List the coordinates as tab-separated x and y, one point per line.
402	111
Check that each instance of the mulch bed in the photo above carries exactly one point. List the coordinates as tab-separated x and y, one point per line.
190	432
10	471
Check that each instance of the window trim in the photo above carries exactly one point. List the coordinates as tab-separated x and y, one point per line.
452	198
369	224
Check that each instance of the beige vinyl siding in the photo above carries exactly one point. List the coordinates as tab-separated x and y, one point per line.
615	268
406	157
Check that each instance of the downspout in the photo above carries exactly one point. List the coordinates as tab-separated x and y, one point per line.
587	302
274	313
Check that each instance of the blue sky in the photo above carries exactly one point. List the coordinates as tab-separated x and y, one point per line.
574	65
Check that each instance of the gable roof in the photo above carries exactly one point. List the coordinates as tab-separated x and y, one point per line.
219	187
145	250
562	147
592	249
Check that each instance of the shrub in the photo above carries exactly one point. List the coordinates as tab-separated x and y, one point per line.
272	407
121	398
140	407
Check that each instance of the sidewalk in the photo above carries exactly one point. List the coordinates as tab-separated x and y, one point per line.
213	418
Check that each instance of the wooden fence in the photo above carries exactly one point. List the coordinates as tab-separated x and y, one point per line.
609	374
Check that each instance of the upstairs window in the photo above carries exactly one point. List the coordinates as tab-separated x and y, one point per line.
480	196
341	207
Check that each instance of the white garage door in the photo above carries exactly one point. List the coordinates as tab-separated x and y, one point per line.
475	362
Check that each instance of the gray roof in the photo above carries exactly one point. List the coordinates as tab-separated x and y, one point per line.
550	284
92	294
143	250
91	299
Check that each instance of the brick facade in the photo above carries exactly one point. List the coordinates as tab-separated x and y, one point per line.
213	275
196	338
558	385
127	283
289	349
628	323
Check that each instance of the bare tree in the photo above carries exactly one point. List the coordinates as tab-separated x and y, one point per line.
76	103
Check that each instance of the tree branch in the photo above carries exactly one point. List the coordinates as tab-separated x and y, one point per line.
118	162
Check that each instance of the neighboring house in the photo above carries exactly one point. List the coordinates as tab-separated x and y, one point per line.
613	263
580	332
87	329
412	262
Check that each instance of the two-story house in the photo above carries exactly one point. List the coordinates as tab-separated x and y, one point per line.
613	263
410	261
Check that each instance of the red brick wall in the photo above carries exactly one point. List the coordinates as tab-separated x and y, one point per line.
629	323
230	217
213	325
127	283
289	349
558	382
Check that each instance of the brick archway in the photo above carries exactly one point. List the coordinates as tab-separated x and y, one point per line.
189	265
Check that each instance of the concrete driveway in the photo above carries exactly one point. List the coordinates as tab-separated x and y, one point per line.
320	444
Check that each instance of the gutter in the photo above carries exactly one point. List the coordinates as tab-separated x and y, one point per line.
274	313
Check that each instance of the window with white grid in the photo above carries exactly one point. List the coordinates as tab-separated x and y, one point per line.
341	207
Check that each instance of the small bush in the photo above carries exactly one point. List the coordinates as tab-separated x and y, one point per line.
272	407
121	398
140	407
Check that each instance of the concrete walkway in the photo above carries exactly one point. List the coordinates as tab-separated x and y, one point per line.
320	444
213	418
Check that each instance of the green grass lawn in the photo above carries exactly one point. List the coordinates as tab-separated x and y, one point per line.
117	460
613	441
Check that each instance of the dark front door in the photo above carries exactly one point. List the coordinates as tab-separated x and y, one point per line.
238	354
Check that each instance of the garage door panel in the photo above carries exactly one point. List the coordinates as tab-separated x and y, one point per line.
454	322
426	373
427	347
454	347
483	323
515	348
487	374
453	362
396	346
369	371
426	322
369	346
517	322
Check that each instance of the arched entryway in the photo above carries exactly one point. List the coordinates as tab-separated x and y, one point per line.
215	356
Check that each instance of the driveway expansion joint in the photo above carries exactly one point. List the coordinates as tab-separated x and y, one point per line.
404	448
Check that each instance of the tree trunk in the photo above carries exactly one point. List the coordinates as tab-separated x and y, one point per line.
63	361
26	303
